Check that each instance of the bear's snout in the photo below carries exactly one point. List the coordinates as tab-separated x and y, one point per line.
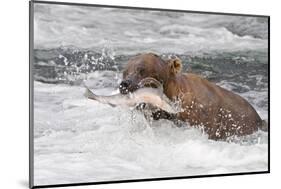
127	86
123	87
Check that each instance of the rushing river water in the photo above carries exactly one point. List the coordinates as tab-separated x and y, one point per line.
78	140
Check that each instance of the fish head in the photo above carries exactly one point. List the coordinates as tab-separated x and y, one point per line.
140	67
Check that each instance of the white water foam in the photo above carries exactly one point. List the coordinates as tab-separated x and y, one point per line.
79	140
135	31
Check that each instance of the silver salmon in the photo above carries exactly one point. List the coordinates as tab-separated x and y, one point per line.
151	96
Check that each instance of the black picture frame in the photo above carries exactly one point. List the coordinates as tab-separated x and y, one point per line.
31	97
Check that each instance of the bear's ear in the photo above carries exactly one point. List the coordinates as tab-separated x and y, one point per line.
175	65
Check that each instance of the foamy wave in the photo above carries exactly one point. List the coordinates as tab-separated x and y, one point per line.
79	140
135	31
194	39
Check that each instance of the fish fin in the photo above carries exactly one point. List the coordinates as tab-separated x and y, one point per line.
89	94
112	105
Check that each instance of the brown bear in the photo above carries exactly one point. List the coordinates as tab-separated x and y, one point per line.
219	112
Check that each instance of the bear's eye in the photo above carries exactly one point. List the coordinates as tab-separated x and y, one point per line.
141	71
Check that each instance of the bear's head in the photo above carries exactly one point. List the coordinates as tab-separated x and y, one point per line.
148	65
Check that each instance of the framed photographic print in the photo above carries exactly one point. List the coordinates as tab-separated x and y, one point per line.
124	94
